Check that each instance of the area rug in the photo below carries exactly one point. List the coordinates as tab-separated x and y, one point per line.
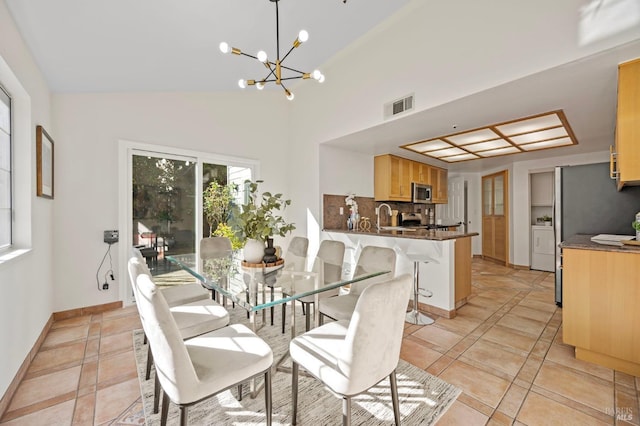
423	397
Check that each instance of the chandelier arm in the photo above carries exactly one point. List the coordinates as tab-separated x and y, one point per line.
287	54
291	69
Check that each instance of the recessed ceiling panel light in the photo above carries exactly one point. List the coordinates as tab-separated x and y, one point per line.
431	145
480	135
483	146
500	151
548	130
447	152
460	157
558	132
546	144
530	125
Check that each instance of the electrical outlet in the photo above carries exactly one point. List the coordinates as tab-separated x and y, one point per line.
111	236
341	211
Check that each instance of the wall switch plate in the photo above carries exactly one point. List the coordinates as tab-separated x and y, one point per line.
341	211
111	237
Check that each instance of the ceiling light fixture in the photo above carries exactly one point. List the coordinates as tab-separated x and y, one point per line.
276	68
548	130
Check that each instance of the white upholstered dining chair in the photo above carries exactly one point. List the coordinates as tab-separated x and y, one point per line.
327	269
350	357
192	318
371	259
295	259
190	371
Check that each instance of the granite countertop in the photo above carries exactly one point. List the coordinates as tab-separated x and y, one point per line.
583	242
418	234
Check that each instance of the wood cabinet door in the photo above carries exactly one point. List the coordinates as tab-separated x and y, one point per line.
628	122
420	173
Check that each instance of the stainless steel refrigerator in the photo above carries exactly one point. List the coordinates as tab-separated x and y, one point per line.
587	202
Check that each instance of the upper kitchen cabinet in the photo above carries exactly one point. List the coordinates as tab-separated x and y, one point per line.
439	185
391	178
625	161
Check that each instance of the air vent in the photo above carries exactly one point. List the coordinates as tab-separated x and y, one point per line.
393	108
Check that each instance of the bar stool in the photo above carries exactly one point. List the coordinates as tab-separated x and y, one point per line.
415	316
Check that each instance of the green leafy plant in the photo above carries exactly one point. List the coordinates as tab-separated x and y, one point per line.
545	218
217	201
636	225
259	219
224	230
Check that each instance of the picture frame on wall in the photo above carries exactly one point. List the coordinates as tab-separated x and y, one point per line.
44	163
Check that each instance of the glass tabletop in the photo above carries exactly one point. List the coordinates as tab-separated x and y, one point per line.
251	287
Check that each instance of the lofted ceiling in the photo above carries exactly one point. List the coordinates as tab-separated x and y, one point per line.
170	45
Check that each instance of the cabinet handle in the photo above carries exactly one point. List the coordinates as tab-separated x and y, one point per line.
613	163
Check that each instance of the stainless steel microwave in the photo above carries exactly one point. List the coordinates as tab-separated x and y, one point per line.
420	193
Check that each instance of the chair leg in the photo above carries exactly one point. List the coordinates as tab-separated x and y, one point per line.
346	411
267	395
294	392
156	395
303	311
284	313
165	410
183	415
272	297
144	341
394	397
320	318
307	319
149	363
240	392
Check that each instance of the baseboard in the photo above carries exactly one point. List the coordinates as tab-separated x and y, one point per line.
56	316
424	308
24	367
89	310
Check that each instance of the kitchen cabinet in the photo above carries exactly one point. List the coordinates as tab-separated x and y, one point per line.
600	299
495	236
542	248
392	178
420	173
625	160
439	186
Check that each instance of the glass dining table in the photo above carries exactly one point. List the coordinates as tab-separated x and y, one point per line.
252	287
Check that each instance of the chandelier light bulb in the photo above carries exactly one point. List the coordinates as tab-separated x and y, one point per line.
290	95
242	83
316	74
321	79
303	36
262	56
259	85
224	47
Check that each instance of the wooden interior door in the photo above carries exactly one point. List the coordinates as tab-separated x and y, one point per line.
495	217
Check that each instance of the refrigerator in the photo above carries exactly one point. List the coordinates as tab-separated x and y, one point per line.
586	201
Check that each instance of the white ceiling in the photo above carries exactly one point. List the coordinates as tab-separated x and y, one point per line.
172	45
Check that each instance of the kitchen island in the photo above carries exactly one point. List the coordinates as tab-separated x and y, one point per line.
600	299
447	274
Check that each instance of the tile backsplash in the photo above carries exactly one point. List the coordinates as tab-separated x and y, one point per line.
331	218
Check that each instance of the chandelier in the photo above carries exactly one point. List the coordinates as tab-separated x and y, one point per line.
276	69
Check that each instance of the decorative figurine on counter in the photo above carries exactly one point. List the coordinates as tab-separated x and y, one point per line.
354	217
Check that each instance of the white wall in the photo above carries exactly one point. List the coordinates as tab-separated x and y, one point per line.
345	172
26	283
89	126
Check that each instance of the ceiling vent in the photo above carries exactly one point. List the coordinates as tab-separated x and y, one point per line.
399	106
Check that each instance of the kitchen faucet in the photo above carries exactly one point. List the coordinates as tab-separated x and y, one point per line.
378	213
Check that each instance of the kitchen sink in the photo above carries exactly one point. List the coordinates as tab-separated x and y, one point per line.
395	228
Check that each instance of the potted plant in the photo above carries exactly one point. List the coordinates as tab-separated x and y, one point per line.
636	225
258	220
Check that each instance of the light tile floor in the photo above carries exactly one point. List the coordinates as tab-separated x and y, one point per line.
504	350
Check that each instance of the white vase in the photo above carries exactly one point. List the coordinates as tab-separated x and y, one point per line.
253	251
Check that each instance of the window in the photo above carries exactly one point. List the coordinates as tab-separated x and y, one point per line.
5	170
